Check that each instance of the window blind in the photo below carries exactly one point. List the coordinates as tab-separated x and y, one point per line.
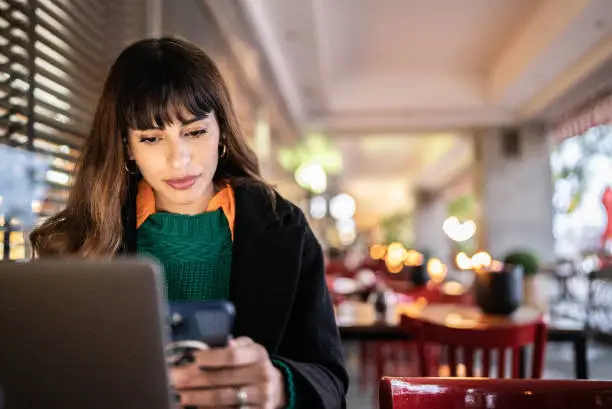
54	55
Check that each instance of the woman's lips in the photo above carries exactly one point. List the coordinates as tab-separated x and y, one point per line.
183	183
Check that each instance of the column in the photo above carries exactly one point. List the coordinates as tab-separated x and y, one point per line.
154	18
262	141
514	190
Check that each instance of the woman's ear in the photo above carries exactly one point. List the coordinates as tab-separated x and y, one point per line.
128	149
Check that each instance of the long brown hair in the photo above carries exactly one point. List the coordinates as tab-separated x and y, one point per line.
152	82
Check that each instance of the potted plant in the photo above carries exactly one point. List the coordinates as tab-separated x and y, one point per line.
524	258
530	263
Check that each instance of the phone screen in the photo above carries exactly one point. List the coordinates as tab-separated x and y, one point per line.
198	325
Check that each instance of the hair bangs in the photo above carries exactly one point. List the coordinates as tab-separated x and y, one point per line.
165	93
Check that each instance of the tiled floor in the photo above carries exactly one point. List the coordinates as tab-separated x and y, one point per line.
559	365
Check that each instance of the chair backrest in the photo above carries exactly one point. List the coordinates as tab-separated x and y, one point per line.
475	393
335	268
489	342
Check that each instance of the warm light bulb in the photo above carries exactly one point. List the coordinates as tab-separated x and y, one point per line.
312	176
396	253
413	258
436	270
481	260
342	207
318	207
395	269
377	252
458	231
463	261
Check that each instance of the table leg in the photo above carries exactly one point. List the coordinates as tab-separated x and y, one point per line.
580	358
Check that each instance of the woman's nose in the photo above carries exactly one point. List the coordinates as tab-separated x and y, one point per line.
180	154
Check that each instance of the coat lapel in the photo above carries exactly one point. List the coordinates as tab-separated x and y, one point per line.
265	268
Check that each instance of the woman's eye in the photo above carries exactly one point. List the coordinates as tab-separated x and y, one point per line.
195	133
149	139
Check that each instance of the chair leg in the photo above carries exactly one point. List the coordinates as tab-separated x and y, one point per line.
380	361
364	361
522	363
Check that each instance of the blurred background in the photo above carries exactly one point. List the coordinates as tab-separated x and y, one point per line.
412	133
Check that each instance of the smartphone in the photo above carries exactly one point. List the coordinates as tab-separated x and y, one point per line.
197	325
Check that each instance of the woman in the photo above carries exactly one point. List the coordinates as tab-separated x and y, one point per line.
166	172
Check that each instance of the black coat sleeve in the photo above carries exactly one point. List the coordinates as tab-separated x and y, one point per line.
311	345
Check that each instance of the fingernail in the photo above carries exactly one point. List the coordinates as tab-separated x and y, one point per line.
177	380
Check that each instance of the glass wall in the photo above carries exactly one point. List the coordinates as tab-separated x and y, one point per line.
582	177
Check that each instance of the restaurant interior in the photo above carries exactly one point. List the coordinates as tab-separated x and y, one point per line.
454	160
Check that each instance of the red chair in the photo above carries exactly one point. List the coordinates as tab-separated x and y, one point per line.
433	294
470	340
398	357
338	269
440	393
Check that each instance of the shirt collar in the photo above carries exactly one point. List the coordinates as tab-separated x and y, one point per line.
224	199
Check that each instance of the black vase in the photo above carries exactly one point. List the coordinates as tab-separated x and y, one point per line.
499	292
418	275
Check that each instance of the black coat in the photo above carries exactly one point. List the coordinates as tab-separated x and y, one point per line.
278	288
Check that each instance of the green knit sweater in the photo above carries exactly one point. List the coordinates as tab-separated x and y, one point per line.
195	252
196	255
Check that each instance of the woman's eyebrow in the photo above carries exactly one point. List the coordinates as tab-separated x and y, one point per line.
190	121
183	123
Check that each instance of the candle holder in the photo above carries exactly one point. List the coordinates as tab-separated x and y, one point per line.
418	275
499	291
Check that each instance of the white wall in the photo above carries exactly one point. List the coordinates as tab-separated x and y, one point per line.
193	21
428	233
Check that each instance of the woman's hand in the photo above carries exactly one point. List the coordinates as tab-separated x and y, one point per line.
239	375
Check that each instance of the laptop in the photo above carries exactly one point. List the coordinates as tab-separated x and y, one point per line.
82	335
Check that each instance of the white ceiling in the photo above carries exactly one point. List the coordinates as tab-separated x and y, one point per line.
394	82
380	171
412	65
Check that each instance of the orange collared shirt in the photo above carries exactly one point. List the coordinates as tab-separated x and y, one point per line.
224	199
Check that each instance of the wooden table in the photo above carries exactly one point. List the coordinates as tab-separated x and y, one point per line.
354	315
358	321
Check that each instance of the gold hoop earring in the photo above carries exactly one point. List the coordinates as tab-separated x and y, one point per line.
127	169
223	153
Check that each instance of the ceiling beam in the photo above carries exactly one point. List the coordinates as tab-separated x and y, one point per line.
321	42
402	122
543	28
256	13
565	82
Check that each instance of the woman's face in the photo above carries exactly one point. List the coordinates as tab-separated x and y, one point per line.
179	162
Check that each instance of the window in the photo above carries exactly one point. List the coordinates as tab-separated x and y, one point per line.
54	55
